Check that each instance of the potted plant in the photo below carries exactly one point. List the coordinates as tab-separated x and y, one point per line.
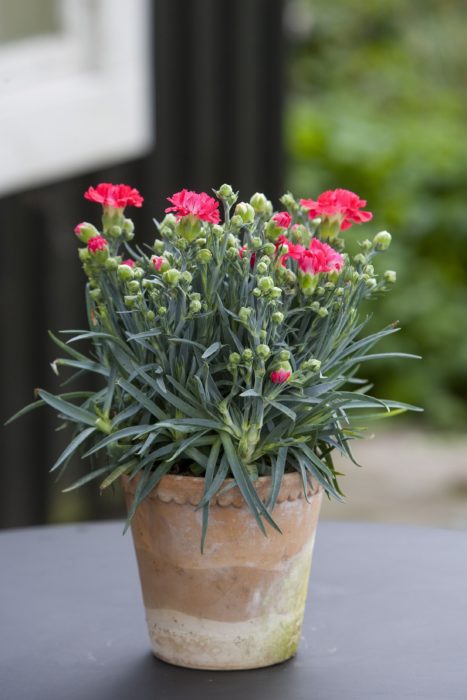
228	356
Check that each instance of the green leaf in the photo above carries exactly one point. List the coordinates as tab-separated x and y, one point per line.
72	447
75	413
277	468
215	347
208	478
88	477
117	473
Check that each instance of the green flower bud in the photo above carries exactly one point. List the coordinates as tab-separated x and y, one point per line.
111	264
95	294
263	351
284	355
315	306
330	285
130	300
262	268
369	269
186	277
232	253
85	231
283	249
290	277
275	293
138	272
162	310
218	231
244	314
269	249
128	226
339	292
299	234
261	204
370	283
195	307
150	315
224	192
320	291
277	317
323	311
257	292
307	283
382	240
195	296
272	231
236	221
311	365
168	224
204	256
263	334
125	272
355	276
172	277
234	358
265	284
83	254
289	202
360	259
247	355
256	242
366	244
390	276
158	246
188	228
114	232
133	286
245	212
200	242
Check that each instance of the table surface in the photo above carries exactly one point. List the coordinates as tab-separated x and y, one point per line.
386	618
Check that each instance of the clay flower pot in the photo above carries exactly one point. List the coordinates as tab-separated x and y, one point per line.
241	603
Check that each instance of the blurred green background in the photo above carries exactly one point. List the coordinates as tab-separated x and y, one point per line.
377	103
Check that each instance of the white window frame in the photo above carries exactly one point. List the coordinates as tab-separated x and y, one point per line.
79	99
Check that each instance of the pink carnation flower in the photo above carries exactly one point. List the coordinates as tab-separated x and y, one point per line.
97	243
200	205
320	257
282	219
342	204
115	196
279	376
157	261
77	228
129	262
295	249
241	253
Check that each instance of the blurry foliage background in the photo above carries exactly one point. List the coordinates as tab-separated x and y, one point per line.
377	104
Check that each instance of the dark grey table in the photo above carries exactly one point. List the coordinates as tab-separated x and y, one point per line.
386	618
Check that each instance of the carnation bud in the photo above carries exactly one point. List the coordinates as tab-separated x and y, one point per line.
275	293
320	291
370	283
315	306
130	300
158	246
125	272
272	231
284	355
269	249
150	315
188	228
290	277
263	351
114	232
162	310
244	314
262	336
232	253
245	212
224	192
366	244
390	276
204	256
257	292
234	358
298	234
322	311
308	283
95	294
339	292
261	204
236	221
382	240
186	277
217	231
195	307
262	268
85	231
289	202
283	249
360	259
369	269
111	264
133	286
277	317
247	355
128	226
311	365
171	277
265	284
83	254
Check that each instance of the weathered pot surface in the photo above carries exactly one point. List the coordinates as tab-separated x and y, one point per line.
241	603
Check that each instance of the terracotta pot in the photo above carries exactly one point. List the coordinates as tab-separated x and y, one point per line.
241	603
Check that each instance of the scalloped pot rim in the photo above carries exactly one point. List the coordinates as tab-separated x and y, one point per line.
183	490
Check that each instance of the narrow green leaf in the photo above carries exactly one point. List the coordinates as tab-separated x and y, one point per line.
211	350
72	447
75	413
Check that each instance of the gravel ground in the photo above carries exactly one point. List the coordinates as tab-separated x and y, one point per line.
407	477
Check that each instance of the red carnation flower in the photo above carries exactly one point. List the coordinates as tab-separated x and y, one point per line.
129	262
243	250
341	204
282	219
295	249
320	257
200	205
279	376
115	196
97	243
